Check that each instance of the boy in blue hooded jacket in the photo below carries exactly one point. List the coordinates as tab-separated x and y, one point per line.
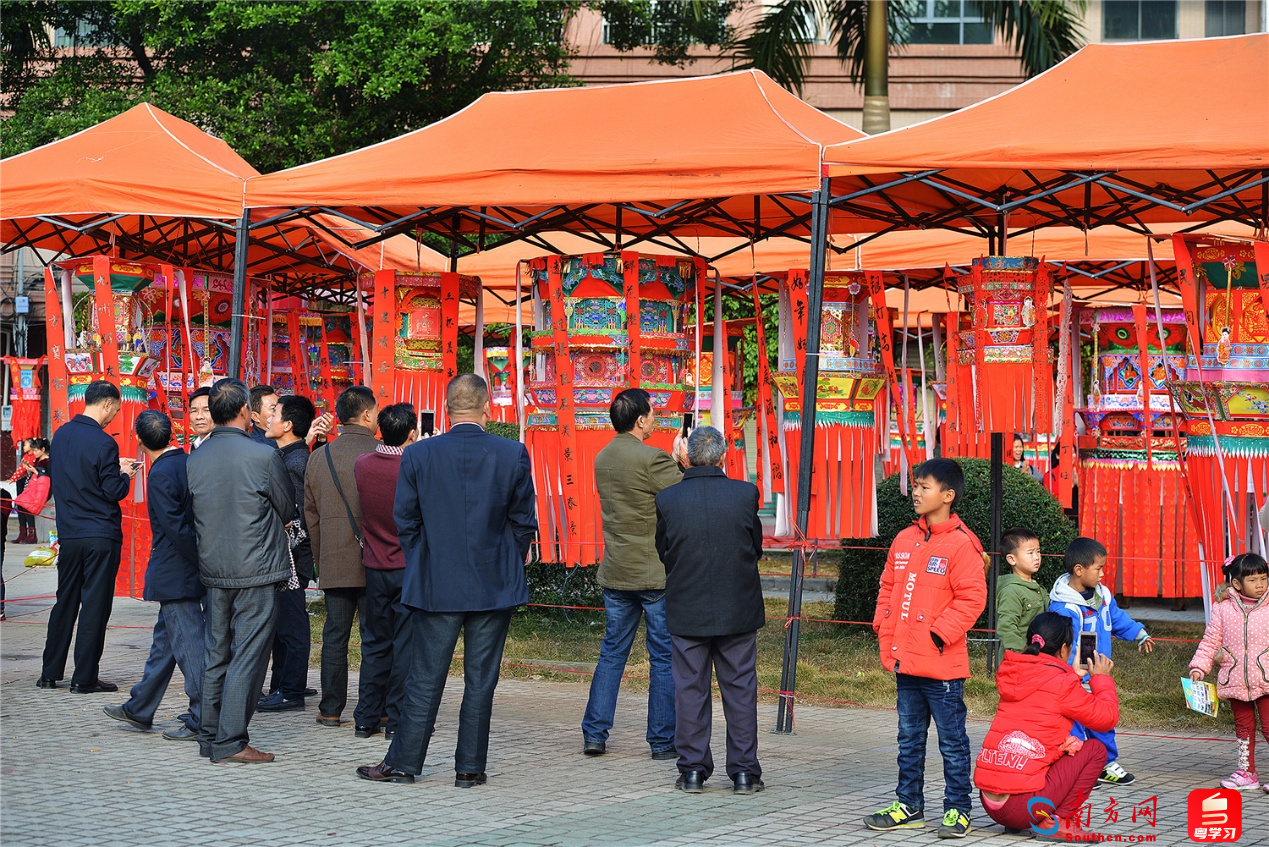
1091	606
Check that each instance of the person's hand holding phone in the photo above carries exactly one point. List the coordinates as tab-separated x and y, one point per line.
1100	665
128	466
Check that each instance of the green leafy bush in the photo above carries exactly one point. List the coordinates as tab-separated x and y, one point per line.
503	430
1026	503
553	584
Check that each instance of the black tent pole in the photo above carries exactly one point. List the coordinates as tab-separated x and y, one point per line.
810	380
993	570
238	317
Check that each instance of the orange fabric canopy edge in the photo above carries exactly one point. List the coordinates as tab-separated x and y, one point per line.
728	135
1153	106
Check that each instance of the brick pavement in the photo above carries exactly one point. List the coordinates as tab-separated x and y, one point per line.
69	775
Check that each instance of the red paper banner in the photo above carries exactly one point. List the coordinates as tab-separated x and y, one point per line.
566	415
766	404
56	341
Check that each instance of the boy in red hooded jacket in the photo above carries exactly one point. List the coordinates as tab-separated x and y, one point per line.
932	591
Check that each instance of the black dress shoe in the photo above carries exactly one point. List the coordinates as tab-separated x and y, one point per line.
383	772
366	731
45	682
310	692
747	783
277	702
389	734
693	782
119	713
468	780
594	748
665	755
98	687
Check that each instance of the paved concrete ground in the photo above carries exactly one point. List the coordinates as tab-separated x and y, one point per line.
71	776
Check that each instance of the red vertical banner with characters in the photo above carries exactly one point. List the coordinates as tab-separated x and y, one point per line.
798	311
323	363
449	325
1143	357
383	382
630	288
104	302
766	406
567	415
55	322
1042	384
1069	353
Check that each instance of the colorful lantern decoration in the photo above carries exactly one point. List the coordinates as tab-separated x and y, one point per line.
604	322
311	353
851	411
1132	492
503	379
1225	393
415	332
24	395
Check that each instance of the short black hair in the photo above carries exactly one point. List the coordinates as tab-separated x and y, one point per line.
946	473
226	399
1014	538
352	401
258	394
1241	567
201	392
1048	633
396	422
1083	551
299	411
627	407
99	392
1017	436
154	429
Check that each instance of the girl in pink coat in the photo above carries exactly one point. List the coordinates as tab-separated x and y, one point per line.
1237	639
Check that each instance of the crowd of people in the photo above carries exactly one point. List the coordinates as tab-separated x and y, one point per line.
421	538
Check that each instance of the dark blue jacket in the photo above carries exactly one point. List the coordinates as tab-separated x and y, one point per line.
172	573
258	436
87	484
464	511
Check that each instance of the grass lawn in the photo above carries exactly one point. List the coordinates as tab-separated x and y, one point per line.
837	665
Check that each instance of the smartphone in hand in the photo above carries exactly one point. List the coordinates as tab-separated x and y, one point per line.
1087	648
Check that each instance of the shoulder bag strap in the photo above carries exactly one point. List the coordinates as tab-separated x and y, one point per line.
351	520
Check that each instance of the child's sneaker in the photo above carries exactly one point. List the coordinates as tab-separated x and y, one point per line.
1241	780
955	824
895	816
1114	774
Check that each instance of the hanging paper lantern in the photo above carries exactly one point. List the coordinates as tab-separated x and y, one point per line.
1132	494
605	322
851	413
415	332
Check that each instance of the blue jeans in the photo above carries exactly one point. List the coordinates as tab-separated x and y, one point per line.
920	699
433	636
623	610
178	640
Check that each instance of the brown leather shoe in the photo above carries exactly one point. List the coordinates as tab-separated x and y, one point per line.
249	755
469	780
383	772
328	720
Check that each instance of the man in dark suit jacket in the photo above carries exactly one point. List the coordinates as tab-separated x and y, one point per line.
710	539
172	579
464	512
89	480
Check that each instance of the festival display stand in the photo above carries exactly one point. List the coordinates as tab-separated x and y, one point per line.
1132	493
603	322
1224	395
731	373
310	353
851	411
503	376
415	335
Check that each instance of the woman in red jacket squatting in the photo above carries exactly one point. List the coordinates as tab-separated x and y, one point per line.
1031	771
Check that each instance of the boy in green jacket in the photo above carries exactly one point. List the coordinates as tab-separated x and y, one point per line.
1019	598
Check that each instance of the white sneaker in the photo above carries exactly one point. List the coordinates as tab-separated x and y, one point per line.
1241	780
1114	774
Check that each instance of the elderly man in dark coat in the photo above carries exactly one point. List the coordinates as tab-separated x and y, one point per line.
710	539
242	498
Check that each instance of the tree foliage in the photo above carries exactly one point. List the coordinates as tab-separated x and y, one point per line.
283	83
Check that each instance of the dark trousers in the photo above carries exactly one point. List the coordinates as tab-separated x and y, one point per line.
341	605
291	643
1068	784
239	632
179	640
432	639
86	571
734	659
385	650
943	700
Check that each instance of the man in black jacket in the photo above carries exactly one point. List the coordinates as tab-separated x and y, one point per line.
89	480
242	500
171	578
710	539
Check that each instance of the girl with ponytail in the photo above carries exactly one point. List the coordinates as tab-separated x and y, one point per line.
1032	773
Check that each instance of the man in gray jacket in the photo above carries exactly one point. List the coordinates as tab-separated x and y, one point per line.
242	498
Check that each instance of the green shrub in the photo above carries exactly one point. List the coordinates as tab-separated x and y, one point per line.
503	430
1026	503
552	584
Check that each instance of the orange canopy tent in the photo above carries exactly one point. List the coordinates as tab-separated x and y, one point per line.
1117	133
732	154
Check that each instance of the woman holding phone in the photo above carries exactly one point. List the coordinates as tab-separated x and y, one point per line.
1032	773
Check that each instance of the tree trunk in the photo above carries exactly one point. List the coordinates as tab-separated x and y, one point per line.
876	72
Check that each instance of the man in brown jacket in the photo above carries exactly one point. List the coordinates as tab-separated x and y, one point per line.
332	512
628	475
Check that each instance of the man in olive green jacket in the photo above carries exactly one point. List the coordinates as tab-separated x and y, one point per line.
628	475
332	515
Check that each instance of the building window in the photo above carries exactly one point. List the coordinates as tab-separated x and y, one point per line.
86	33
946	22
1138	20
1225	17
660	21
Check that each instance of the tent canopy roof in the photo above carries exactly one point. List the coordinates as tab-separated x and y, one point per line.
517	154
1175	122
